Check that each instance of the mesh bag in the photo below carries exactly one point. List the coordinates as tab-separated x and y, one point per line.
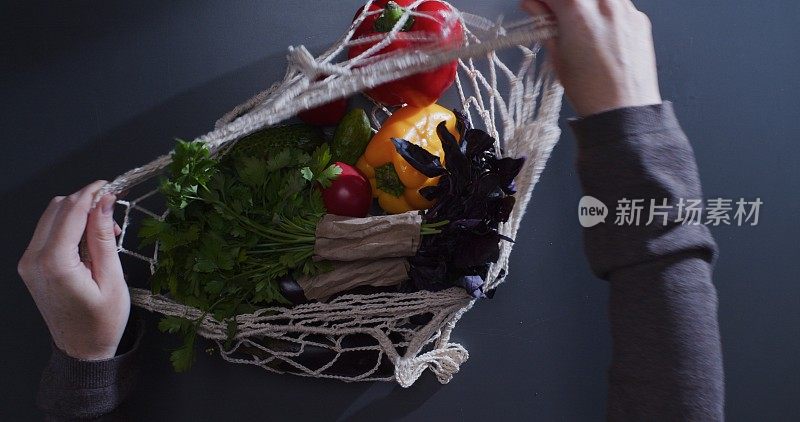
384	336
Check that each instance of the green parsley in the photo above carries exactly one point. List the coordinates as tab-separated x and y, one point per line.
235	225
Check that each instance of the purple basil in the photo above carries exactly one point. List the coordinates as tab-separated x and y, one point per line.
419	158
478	142
474	194
473	284
457	163
508	168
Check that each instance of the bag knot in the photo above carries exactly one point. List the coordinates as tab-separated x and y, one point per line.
301	59
444	362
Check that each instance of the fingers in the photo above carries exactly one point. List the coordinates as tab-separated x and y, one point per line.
45	224
616	7
560	7
538	8
102	245
567	7
70	221
628	4
27	263
535	7
557	6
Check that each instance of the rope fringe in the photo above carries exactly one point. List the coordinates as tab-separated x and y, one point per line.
444	363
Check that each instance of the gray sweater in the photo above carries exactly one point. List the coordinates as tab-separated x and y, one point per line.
666	362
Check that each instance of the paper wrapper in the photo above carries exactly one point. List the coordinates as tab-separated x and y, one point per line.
353	239
349	275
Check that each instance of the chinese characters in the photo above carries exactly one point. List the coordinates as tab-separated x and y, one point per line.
716	212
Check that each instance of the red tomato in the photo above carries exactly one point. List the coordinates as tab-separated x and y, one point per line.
325	115
350	194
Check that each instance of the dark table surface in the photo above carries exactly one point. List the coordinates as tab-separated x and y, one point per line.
90	89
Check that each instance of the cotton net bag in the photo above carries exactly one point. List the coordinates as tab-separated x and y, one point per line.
369	337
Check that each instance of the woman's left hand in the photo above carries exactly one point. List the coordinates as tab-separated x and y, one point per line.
85	304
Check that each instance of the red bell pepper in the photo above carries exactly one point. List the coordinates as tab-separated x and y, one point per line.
433	18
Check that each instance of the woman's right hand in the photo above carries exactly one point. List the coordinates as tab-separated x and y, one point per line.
603	55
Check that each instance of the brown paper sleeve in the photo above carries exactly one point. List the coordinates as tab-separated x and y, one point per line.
353	239
348	275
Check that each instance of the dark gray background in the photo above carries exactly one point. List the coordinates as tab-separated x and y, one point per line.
92	88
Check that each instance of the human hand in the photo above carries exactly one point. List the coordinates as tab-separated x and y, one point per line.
603	55
84	304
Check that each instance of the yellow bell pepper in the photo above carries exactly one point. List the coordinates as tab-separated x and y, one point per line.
394	182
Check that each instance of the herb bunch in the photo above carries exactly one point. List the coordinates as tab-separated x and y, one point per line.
234	226
474	195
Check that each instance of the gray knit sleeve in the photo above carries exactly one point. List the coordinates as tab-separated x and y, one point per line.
666	360
71	388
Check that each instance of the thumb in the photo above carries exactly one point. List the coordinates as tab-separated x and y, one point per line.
102	244
540	8
536	7
551	6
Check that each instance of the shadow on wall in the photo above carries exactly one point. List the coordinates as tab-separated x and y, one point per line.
146	136
55	27
132	144
399	402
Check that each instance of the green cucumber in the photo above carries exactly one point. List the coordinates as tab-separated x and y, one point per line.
351	137
277	138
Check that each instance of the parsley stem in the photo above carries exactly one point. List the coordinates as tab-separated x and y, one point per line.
272	246
264	231
299	230
287	249
436	224
432	228
246	274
